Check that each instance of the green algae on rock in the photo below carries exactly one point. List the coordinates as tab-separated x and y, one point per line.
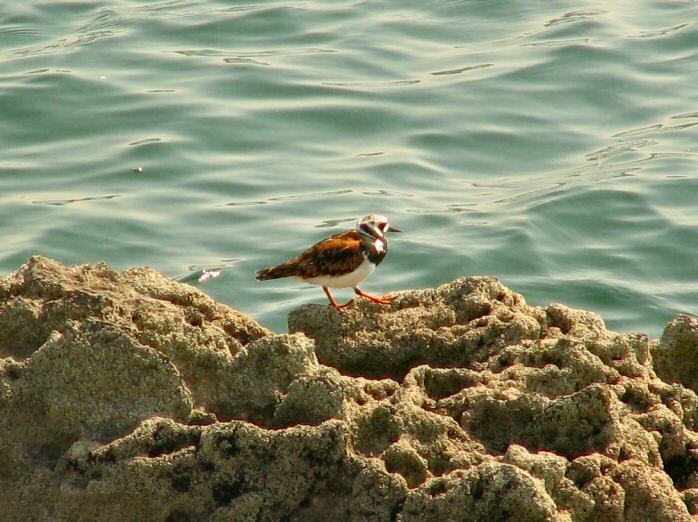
129	397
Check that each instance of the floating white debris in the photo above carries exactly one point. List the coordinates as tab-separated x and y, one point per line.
208	274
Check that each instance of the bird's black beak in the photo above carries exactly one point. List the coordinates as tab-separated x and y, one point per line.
393	229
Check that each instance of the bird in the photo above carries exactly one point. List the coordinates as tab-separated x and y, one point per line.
340	261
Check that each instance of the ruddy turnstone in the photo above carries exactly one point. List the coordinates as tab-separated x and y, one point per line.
340	261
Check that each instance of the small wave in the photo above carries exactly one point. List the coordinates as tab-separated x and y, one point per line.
575	16
372	84
61	202
145	141
659	32
462	69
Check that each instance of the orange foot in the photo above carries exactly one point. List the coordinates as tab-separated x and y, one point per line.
384	299
334	303
340	307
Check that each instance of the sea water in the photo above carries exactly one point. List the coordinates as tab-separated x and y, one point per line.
551	144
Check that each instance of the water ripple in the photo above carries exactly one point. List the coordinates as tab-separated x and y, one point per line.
387	194
575	16
558	43
253	54
292	197
462	69
61	202
331	223
311	195
373	84
146	141
18	30
660	32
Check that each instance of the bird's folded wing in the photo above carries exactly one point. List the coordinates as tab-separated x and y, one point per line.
337	255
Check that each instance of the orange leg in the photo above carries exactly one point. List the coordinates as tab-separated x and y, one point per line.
385	299
332	301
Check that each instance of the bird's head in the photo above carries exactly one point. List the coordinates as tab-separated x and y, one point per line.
375	226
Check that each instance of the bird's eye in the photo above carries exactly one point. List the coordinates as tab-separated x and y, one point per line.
365	229
383	226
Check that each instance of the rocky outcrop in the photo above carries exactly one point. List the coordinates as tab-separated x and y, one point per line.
128	397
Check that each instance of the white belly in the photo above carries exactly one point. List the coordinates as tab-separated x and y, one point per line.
350	280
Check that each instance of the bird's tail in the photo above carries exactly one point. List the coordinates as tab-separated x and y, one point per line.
276	272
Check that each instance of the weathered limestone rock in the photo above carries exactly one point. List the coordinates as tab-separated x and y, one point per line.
455	325
676	354
128	397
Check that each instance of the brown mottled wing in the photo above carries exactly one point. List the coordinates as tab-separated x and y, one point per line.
336	255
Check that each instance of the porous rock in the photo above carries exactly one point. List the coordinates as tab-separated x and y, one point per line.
128	397
676	355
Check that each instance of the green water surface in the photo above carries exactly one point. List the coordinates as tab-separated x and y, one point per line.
551	144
